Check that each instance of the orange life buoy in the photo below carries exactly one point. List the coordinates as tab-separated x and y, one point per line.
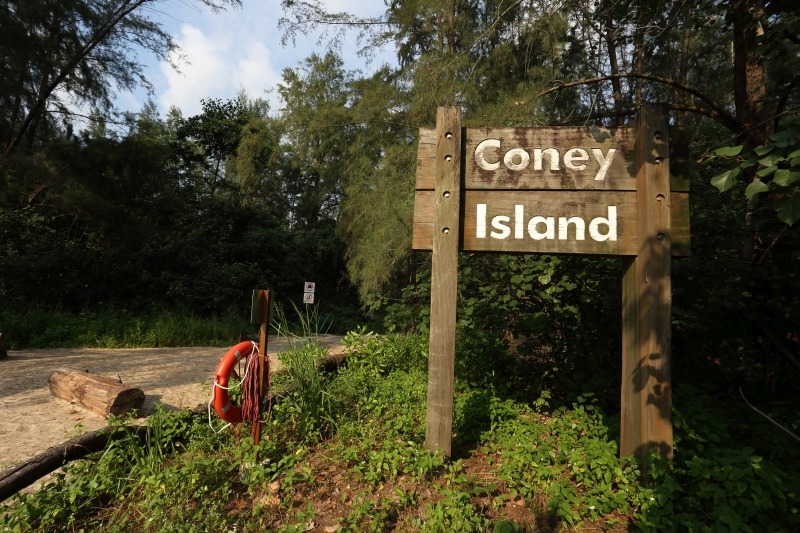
220	397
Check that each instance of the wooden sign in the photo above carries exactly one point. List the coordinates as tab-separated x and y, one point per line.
559	165
557	190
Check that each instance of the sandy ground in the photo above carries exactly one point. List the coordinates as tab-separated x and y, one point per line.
33	420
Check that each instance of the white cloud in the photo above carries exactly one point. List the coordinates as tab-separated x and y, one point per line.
254	71
215	66
236	49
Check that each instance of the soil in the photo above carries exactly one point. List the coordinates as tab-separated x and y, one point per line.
33	420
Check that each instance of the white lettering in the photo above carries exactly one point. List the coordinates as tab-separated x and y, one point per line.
563	228
519	221
550	230
480	154
499	223
605	161
480	222
611	222
600	228
573	155
514	154
517	159
551	153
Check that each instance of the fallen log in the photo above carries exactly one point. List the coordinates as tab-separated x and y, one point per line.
29	472
26	473
99	394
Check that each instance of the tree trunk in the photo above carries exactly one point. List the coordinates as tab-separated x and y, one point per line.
749	91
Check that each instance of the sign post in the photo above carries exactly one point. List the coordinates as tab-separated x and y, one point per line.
646	399
261	313
444	268
557	190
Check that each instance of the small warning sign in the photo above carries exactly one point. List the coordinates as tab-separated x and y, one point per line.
308	292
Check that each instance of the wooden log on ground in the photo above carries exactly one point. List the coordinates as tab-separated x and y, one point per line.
29	472
99	394
24	474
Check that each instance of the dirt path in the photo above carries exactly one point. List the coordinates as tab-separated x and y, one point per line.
33	420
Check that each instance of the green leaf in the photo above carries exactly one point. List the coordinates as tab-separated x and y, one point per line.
728	151
764	172
756	187
785	177
793	155
761	151
771	159
750	162
783	137
788	209
726	180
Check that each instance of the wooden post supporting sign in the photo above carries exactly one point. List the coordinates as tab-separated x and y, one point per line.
444	278
261	314
646	400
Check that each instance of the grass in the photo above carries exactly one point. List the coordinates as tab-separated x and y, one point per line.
344	452
35	329
118	329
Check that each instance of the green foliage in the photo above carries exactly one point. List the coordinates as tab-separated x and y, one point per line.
309	406
731	489
383	355
525	321
567	456
316	134
97	493
558	465
774	168
206	140
718	481
118	329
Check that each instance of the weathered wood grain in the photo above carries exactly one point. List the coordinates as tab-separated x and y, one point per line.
444	281
99	394
646	391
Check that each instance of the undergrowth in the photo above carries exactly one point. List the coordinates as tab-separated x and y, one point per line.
346	450
118	329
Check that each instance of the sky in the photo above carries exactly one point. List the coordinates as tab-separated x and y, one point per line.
238	49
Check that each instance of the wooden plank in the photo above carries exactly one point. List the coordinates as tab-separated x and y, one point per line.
571	158
264	303
426	159
422	223
422	232
680	165
646	393
444	274
583	222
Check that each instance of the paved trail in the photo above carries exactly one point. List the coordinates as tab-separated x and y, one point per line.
33	420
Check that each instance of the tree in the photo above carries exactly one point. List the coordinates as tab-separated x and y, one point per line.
72	52
206	141
316	134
